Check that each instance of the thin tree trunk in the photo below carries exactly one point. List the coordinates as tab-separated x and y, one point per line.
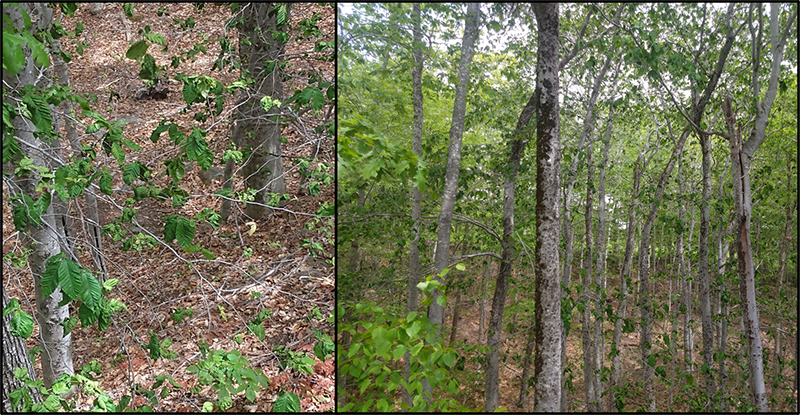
586	272
530	340
456	317
600	279
588	127
741	196
741	154
442	249
791	205
93	228
702	271
487	272
416	196
625	276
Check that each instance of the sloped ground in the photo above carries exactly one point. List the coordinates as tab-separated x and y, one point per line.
272	269
473	378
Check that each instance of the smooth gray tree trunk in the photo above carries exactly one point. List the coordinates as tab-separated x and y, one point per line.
41	239
741	156
442	249
416	196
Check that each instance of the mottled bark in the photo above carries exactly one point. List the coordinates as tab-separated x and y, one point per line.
15	355
262	55
41	239
547	395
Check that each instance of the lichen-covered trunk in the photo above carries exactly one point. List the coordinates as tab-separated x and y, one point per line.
41	238
15	355
547	395
258	127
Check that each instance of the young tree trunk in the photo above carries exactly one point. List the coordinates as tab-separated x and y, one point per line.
600	269
740	163
41	239
547	396
723	312
702	268
416	196
530	340
442	249
588	128
741	155
586	280
791	206
625	276
487	272
644	275
683	270
93	226
456	317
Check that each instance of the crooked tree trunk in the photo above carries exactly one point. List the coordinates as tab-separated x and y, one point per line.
741	155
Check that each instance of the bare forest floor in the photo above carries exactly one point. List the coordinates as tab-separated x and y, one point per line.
271	269
473	377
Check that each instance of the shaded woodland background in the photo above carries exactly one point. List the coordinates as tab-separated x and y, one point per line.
652	99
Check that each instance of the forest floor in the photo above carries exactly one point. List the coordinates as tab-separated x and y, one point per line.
472	379
273	269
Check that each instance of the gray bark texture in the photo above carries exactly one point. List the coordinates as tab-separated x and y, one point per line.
741	156
41	239
442	250
627	264
416	196
547	395
261	55
586	281
15	355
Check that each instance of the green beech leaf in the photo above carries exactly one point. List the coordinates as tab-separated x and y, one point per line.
137	50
